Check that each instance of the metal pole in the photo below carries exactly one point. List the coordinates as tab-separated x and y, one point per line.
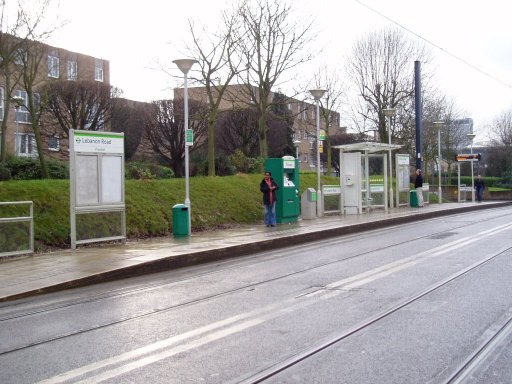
419	112
439	163
390	166
16	139
318	192
187	176
472	178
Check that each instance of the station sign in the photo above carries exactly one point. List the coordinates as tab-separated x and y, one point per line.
189	137
468	157
97	142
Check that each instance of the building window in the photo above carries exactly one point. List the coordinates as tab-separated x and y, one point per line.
1	103
27	145
20	56
53	66
22	113
53	143
72	70
304	158
98	70
305	112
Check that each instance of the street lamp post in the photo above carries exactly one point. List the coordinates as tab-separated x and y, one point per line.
438	125
389	113
471	137
18	101
184	65
317	95
296	144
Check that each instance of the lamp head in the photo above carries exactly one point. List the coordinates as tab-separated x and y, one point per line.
185	64
317	93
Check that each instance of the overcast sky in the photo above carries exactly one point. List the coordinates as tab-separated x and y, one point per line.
135	35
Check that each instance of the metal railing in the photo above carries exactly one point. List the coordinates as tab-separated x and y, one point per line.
20	219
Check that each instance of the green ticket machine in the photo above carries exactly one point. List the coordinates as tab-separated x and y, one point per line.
285	172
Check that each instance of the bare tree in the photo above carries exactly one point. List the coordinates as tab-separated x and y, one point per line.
164	129
83	104
271	43
128	116
34	53
238	129
15	40
501	129
381	68
218	68
332	101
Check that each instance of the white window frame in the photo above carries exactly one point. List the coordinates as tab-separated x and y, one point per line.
53	66
72	69
27	142
20	57
23	114
98	73
55	148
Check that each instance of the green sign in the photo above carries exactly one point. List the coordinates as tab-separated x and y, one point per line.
322	134
189	137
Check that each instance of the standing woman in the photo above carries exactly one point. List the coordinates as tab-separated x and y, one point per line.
418	185
268	187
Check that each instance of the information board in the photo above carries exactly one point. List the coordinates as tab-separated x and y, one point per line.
96	178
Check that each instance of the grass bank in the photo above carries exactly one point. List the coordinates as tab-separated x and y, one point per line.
217	202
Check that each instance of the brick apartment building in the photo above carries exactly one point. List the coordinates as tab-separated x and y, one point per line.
304	114
57	64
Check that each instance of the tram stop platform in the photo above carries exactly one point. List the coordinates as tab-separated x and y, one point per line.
31	275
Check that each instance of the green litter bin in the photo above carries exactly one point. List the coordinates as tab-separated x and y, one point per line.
180	220
413	198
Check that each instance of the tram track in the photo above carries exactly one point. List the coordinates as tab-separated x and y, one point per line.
290	251
457	377
159	310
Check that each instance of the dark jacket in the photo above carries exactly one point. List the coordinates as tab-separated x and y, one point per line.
479	184
268	195
418	182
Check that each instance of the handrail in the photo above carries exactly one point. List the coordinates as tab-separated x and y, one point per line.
20	219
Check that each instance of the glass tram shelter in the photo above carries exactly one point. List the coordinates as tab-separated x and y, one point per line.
361	190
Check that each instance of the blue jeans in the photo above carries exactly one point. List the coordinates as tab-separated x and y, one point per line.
479	194
270	214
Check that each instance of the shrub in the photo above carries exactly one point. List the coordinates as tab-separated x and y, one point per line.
24	168
142	170
58	169
224	167
245	164
5	173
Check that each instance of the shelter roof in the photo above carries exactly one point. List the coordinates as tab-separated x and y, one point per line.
367	146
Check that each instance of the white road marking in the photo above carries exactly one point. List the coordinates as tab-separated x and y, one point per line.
169	347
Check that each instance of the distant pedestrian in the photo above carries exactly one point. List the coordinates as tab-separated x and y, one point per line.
418	185
479	188
269	187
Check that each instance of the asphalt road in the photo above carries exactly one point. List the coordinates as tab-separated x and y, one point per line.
423	302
